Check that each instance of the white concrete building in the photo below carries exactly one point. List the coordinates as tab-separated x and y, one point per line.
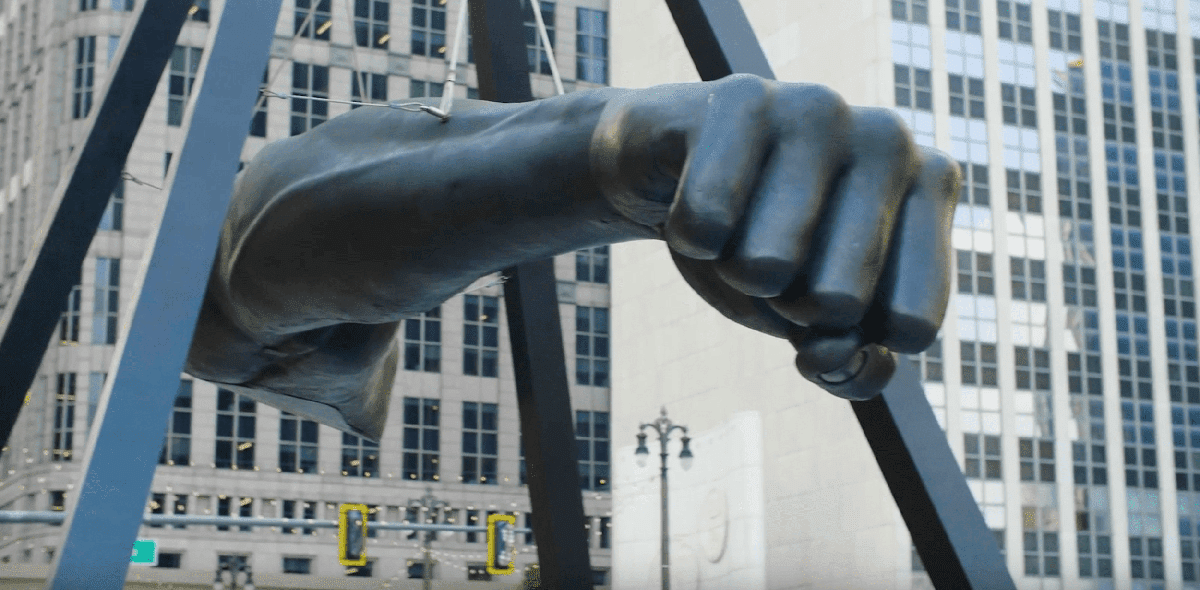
1066	373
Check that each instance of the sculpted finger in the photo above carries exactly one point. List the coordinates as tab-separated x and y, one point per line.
773	242
723	163
852	248
915	288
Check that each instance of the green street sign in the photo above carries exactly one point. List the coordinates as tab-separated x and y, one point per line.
145	552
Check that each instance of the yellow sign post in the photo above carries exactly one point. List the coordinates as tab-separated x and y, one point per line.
500	559
352	534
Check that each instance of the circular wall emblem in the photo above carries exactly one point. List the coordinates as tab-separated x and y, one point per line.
714	524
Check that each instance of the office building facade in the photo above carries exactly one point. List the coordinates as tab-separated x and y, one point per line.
452	424
1065	376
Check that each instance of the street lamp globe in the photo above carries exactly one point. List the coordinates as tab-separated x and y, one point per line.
642	453
685	456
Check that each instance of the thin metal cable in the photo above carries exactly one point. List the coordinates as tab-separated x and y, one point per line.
452	72
541	25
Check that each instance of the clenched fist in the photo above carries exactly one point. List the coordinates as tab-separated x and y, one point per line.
789	211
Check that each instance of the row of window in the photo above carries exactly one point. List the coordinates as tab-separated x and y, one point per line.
914	89
1014	20
481	339
298	442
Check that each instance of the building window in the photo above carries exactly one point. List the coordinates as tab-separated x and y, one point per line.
913	11
591	45
481	335
982	456
86	5
170	560
297	444
114	214
68	327
1014	15
929	362
177	447
1065	31
591	346
96	381
1024	197
472	520
309	81
297	565
1020	100
258	125
978	363
961	15
58	500
1037	459
479	446
371	23
421	418
966	96
539	59
376	88
185	61
914	87
64	418
158	504
232	562
1146	558
198	12
975	185
313	19
416	569
422	89
429	27
245	510
478	572
85	75
1028	279
180	508
1041	553
308	511
605	532
591	440
235	431
975	274
360	457
107	301
223	503
1033	368
591	265
423	342
521	476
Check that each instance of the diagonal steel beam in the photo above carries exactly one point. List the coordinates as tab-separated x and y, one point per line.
958	550
135	406
44	282
535	331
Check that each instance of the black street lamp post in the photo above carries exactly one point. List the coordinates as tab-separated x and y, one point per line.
664	427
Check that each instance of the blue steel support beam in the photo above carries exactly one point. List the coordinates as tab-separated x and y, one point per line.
121	455
958	550
44	282
535	331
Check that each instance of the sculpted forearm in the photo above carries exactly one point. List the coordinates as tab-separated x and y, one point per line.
381	213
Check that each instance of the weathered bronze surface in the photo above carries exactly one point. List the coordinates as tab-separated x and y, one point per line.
785	209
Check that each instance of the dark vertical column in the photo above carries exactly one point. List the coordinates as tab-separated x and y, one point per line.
958	550
122	453
44	282
531	301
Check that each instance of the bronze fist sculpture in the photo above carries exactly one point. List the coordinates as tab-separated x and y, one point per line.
784	208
